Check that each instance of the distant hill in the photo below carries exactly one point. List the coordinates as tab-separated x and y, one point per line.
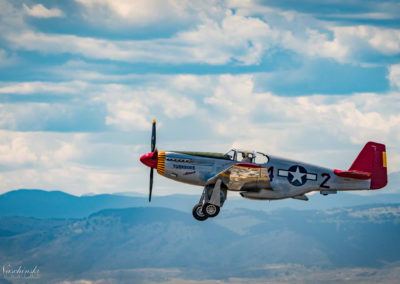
120	243
57	204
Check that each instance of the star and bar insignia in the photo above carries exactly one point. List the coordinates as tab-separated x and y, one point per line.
297	175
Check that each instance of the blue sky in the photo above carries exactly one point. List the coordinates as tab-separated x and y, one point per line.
81	81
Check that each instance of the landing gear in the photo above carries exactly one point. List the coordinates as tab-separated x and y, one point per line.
210	210
211	201
198	212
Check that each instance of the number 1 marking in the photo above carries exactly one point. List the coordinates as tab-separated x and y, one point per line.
271	173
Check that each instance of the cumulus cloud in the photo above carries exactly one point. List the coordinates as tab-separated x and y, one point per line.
242	37
25	149
221	110
69	162
128	107
40	11
137	109
217	37
237	38
128	115
15	151
307	128
356	118
142	13
383	40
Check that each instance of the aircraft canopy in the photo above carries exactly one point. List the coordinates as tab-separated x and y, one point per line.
247	156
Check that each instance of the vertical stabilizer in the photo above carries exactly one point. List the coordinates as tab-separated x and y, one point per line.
372	159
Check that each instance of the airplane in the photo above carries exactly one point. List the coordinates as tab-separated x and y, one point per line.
258	176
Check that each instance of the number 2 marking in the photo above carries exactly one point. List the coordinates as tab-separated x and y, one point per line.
327	177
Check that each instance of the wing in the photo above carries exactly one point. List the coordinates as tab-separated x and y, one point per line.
243	177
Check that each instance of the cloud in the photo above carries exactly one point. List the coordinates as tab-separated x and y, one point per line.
65	162
237	39
354	118
383	40
127	106
241	37
65	116
307	34
353	44
79	163
136	110
129	51
121	106
315	120
315	44
394	75
40	11
24	88
128	115
144	13
25	149
318	128
15	151
74	81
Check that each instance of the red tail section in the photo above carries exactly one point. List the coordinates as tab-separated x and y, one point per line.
372	159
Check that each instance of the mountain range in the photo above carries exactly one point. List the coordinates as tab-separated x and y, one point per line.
155	244
58	204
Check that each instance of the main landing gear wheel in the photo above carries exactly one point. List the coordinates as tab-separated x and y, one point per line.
210	210
198	212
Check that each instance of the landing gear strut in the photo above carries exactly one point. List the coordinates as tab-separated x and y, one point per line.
211	201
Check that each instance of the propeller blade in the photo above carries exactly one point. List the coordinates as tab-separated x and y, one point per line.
153	136
153	149
151	184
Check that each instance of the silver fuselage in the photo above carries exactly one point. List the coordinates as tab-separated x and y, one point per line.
287	178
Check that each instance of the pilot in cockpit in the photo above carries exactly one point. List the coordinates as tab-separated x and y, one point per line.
246	158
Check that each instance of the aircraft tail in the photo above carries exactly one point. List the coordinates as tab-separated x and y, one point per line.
372	159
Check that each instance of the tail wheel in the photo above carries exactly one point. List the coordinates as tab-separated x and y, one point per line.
210	210
198	213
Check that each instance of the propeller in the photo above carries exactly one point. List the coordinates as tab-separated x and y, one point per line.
153	136
153	149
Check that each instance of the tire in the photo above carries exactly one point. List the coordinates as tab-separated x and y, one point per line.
210	210
198	213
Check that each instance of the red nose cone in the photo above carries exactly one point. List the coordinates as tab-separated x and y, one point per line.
150	159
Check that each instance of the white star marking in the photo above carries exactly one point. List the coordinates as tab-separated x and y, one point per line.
297	175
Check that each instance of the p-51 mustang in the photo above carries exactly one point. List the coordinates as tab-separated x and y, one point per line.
258	176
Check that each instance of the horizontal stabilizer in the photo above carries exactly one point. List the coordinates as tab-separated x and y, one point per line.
353	174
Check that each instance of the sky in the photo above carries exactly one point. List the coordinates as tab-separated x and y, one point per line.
82	80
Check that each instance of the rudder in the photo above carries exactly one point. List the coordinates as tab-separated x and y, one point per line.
372	159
